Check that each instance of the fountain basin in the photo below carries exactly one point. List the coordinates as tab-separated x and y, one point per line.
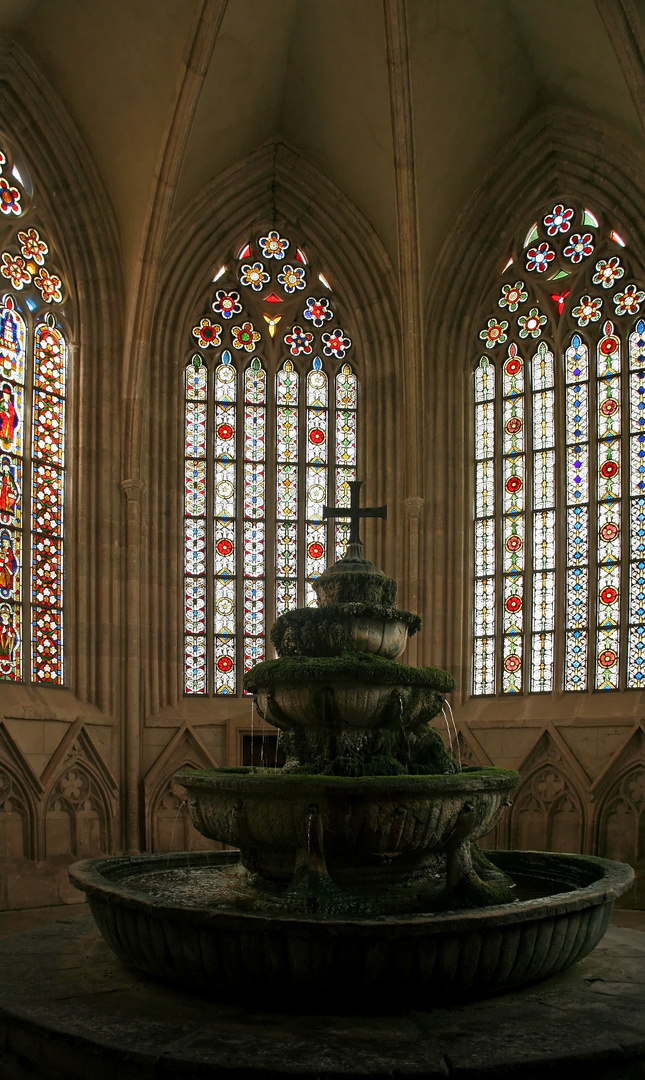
374	827
342	628
384	962
354	690
359	705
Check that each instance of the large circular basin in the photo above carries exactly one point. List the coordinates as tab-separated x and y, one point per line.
372	826
377	963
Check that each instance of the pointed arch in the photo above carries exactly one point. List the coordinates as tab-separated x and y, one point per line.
168	825
557	152
275	185
80	222
80	798
619	819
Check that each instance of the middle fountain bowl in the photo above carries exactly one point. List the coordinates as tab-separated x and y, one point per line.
375	829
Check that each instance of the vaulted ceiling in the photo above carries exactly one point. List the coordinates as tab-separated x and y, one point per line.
315	73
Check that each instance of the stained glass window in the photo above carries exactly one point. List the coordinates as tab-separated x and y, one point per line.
271	431
33	383
559	598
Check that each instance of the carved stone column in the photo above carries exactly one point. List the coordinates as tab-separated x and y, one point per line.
131	733
414	506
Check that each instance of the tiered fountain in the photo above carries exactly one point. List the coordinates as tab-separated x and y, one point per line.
356	874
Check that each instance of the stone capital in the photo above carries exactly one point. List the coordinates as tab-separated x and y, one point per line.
133	489
414	506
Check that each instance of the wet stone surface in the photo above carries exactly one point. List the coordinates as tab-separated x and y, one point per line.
69	1008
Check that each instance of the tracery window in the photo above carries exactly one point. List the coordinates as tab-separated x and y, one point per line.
270	437
33	384
559	402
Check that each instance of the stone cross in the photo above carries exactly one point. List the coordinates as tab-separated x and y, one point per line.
354	511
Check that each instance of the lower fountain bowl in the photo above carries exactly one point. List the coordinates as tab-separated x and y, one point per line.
356	964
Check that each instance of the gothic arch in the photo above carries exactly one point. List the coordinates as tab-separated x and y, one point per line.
556	152
274	184
79	802
168	826
619	819
20	794
548	811
79	219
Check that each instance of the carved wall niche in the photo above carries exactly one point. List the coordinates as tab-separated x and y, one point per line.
168	824
76	817
621	819
20	793
17	819
619	827
547	813
80	801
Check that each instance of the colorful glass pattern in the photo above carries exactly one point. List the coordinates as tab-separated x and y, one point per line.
317	435
544	556
12	417
286	538
608	421
195	413
254	496
636	618
47	497
33	374
576	648
345	450
251	565
484	606
513	524
584	580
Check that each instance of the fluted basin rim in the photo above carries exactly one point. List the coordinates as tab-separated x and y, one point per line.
610	879
255	780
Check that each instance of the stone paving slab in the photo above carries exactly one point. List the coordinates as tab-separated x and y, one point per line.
69	1008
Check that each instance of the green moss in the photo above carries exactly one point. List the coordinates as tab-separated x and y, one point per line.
325	631
356	587
354	667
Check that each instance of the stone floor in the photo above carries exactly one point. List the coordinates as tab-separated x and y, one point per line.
69	1010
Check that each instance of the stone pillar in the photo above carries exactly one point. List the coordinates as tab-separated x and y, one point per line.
131	735
414	512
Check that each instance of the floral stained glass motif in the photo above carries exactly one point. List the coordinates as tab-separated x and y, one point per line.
608	367
255	396
346	448
576	648
584	598
512	296
513	521
303	395
636	627
195	409
484	608
33	375
286	540
544	556
317	436
12	418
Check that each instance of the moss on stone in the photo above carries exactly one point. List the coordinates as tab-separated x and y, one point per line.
325	631
354	667
356	587
366	753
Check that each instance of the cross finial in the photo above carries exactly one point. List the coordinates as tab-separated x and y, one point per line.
354	512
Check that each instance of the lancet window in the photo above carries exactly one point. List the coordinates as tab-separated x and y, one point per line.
270	423
559	462
33	391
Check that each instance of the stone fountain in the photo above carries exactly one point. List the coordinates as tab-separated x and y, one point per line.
356	871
